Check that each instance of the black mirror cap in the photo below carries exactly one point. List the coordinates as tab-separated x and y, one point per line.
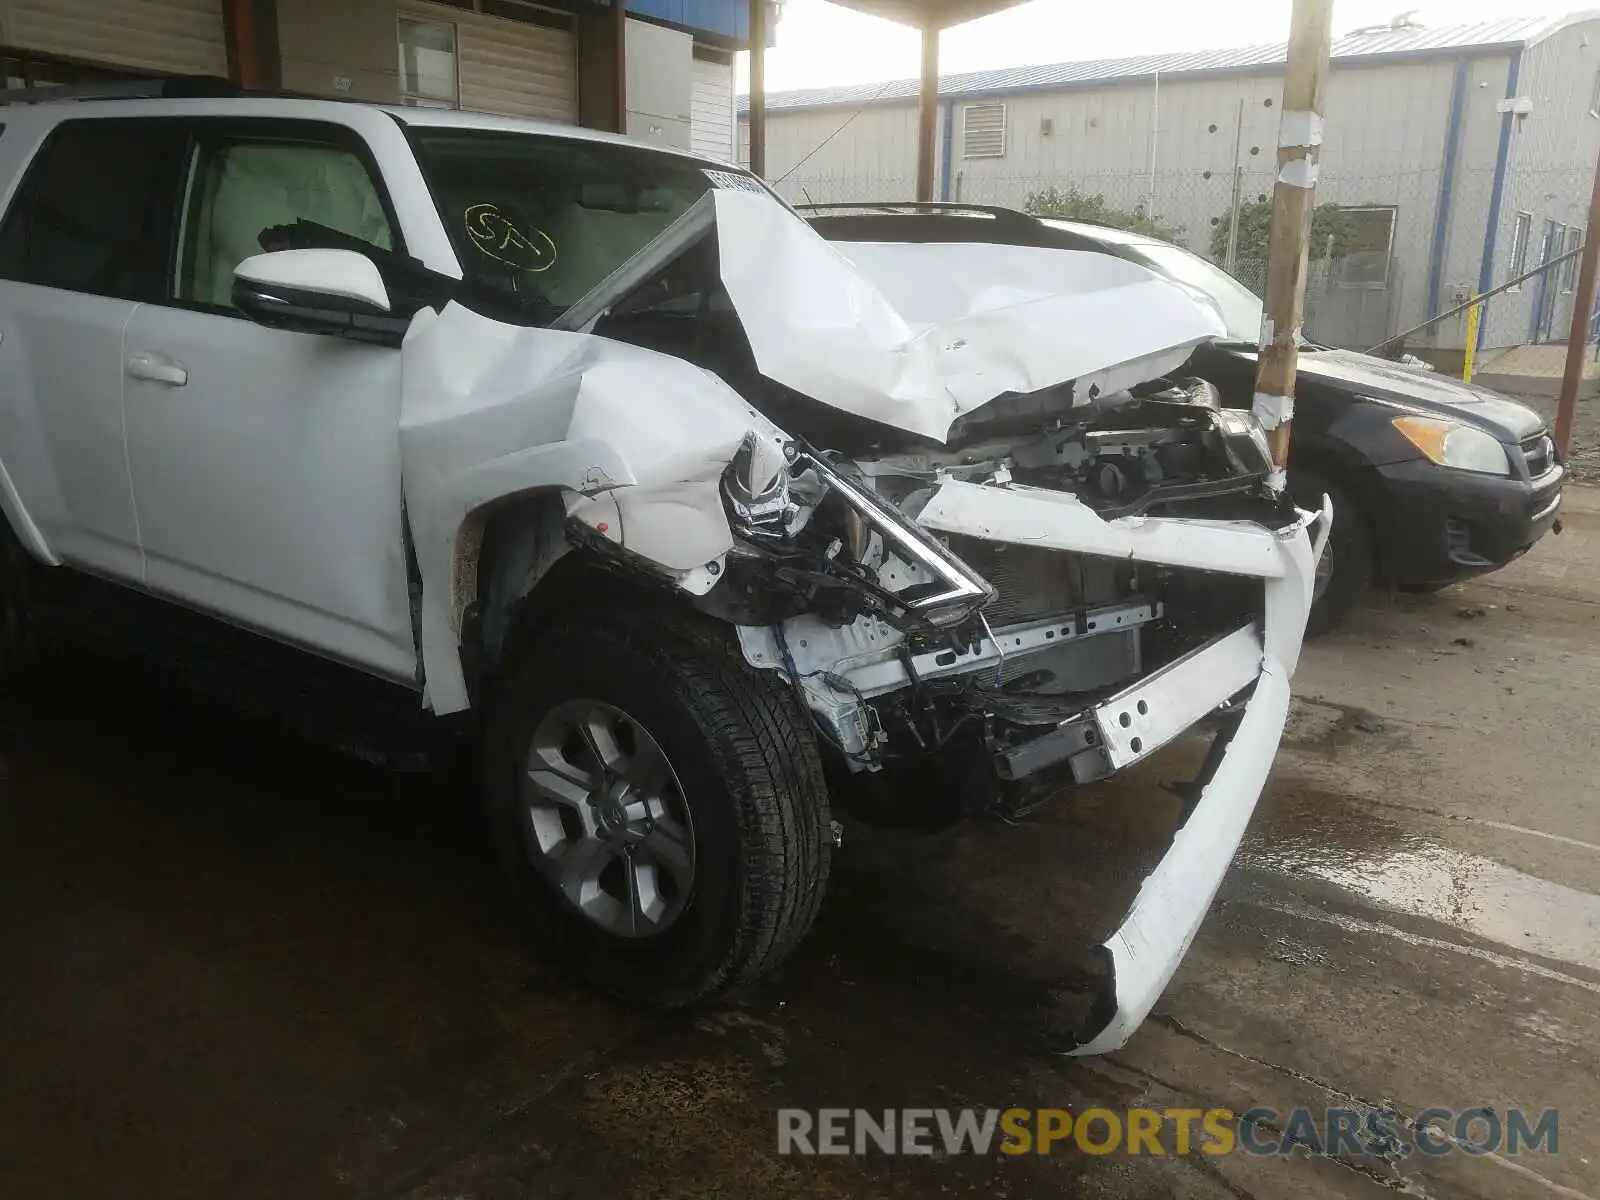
301	311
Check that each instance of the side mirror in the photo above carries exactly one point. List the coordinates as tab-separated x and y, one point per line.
335	292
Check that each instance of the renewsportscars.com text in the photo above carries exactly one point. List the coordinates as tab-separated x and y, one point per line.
1355	1132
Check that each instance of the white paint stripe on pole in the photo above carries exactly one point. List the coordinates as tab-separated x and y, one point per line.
1299	128
1271	410
1299	172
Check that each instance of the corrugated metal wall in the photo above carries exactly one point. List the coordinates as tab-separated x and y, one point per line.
711	110
873	157
167	36
1549	171
512	68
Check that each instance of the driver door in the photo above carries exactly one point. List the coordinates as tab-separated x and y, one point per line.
265	463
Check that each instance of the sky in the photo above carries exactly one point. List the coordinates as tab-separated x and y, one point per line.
820	44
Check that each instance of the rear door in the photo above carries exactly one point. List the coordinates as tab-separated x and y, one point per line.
85	241
266	463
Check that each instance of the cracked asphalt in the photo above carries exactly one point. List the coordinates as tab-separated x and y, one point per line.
237	964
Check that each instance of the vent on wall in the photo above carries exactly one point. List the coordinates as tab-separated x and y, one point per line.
983	130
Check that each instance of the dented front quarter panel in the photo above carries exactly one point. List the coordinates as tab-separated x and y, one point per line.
491	411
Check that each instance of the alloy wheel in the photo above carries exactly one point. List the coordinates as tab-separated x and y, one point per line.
607	823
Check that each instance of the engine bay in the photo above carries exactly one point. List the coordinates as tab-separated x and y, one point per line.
905	642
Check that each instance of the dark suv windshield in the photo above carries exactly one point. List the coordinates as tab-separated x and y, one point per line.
540	220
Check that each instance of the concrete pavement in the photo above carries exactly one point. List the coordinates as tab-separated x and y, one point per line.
239	965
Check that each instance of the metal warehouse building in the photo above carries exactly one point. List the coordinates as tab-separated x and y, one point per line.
556	59
1463	155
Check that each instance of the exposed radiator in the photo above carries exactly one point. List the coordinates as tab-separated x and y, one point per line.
1039	583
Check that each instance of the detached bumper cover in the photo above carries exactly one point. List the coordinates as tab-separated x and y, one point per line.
1147	947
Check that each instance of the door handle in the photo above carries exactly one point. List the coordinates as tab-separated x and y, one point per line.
157	368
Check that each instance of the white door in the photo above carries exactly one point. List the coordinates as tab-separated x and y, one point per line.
266	464
74	268
711	106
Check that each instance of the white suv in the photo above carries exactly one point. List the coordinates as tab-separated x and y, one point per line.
599	455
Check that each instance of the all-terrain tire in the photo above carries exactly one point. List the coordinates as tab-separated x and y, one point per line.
751	777
1349	549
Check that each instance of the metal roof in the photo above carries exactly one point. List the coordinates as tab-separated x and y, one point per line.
1407	41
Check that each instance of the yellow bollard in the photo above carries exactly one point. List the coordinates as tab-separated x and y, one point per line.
1474	315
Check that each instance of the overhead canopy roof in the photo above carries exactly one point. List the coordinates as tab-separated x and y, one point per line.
939	14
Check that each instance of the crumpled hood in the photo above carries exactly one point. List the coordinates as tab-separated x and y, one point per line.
916	336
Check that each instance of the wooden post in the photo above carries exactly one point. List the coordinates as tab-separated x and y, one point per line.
242	44
1582	315
758	87
1293	199
619	27
927	111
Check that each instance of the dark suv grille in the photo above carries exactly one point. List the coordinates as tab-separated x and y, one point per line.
1540	454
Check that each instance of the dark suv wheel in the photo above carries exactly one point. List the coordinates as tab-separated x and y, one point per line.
658	806
1345	570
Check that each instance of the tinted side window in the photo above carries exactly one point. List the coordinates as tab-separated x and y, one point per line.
249	194
96	209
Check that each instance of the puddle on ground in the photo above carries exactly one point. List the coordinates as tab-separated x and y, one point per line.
1422	878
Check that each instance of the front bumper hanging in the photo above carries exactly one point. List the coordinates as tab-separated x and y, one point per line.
1145	950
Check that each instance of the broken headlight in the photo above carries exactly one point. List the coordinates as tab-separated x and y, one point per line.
781	512
756	485
1244	441
956	591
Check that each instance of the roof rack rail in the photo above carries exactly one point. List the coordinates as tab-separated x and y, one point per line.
1011	216
168	88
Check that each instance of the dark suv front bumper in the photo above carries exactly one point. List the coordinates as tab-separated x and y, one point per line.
1442	525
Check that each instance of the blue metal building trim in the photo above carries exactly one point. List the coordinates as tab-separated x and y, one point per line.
1496	194
949	141
1447	179
729	18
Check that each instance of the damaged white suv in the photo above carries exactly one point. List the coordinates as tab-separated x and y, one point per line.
600	455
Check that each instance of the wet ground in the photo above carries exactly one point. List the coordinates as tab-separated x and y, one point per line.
234	964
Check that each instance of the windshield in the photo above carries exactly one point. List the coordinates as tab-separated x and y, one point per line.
538	221
1241	308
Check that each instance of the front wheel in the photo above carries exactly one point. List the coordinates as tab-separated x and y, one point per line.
657	805
1344	572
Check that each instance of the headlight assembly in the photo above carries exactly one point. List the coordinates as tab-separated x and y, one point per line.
1451	444
1245	441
